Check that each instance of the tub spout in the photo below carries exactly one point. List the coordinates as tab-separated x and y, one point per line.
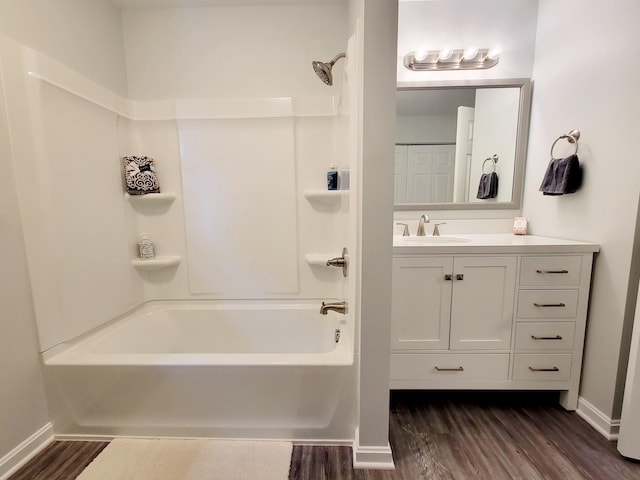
340	307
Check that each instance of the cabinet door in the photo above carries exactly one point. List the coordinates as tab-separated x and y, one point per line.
482	303
421	303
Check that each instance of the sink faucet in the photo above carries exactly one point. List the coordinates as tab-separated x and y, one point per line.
423	219
340	307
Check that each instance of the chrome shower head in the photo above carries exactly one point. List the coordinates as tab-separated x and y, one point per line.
323	70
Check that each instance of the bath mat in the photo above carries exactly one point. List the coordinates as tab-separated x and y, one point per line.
164	459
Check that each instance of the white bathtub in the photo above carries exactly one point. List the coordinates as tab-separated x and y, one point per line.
227	370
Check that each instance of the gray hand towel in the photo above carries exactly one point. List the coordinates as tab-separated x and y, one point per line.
488	187
563	175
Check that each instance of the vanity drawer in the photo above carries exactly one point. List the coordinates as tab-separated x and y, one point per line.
545	336
449	367
560	270
544	367
547	304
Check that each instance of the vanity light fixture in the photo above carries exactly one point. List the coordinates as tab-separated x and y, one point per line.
446	59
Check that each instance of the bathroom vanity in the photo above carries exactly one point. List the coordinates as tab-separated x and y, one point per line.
490	312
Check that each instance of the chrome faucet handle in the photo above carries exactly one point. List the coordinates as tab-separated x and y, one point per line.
436	230
405	232
423	219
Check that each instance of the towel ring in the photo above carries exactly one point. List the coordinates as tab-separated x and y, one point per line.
572	137
493	159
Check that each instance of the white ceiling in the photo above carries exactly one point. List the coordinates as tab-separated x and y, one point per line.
434	102
130	4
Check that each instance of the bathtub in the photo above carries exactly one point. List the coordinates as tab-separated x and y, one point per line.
218	369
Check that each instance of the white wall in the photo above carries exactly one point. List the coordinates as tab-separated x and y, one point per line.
426	129
464	23
494	133
85	36
23	409
375	22
585	79
99	55
243	51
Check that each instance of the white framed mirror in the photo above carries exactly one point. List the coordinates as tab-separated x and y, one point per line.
451	136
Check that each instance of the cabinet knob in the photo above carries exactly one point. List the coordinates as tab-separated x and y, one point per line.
448	277
459	276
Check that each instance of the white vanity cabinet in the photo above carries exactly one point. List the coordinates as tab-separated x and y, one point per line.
495	312
457	303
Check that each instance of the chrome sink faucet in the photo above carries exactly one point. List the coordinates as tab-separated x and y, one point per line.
340	307
423	219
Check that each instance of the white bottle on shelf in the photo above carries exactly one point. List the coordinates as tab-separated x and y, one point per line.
146	249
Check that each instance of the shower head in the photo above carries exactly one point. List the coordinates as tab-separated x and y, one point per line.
323	70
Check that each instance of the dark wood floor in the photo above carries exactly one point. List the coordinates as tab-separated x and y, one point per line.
437	435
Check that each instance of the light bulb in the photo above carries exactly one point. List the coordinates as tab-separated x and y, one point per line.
445	54
470	53
420	55
494	53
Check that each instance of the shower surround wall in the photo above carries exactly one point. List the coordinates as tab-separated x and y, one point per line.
189	81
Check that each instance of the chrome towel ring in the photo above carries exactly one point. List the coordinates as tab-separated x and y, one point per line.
493	159
572	137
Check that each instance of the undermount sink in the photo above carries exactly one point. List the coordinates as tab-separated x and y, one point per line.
429	240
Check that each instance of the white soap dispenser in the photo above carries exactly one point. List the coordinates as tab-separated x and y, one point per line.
146	249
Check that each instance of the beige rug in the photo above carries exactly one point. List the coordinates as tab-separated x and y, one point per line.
161	459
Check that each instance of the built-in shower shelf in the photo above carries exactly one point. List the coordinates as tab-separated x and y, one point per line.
318	258
324	196
152	198
156	263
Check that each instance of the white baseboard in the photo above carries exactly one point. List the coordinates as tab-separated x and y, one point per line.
375	458
24	452
603	424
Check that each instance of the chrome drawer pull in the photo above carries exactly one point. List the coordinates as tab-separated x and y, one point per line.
549	304
552	369
551	271
458	369
557	337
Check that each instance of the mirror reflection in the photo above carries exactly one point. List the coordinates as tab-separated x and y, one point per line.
460	146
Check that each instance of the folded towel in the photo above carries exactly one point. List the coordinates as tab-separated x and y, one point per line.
140	175
488	187
563	175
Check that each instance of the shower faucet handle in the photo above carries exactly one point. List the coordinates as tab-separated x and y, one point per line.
342	262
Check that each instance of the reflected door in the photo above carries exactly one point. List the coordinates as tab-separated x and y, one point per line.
430	171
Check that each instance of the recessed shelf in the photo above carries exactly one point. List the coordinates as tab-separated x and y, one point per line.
324	196
156	262
152	198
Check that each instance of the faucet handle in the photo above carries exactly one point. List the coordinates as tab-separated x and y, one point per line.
405	232
436	230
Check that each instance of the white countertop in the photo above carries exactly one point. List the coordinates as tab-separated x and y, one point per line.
488	243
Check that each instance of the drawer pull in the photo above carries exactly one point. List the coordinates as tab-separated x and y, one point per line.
456	369
556	337
448	277
552	369
551	271
549	304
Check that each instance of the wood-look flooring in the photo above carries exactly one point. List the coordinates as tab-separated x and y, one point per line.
436	435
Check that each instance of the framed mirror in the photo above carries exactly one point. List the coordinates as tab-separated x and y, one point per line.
461	145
